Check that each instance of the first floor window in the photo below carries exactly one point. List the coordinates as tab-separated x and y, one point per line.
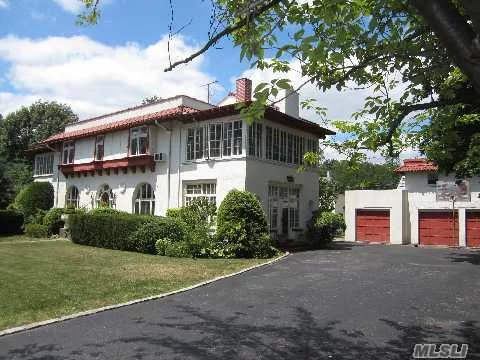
139	140
73	197
68	152
283	207
206	190
44	164
144	200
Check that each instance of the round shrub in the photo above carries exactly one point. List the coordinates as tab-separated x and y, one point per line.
11	222
144	239
323	227
161	245
178	249
33	197
52	220
241	223
36	230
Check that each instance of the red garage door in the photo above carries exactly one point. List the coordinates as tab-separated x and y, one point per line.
473	228
436	228
373	225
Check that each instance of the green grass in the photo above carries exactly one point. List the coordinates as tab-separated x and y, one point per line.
46	279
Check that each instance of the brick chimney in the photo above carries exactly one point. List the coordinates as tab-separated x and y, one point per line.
243	91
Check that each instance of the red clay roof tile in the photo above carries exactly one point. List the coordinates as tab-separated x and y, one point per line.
416	165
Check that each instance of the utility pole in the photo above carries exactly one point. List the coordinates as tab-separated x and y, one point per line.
208	89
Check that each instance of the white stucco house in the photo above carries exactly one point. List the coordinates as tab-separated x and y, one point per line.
427	208
150	158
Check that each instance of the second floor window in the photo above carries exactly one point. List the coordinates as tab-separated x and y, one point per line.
44	164
99	148
139	141
68	154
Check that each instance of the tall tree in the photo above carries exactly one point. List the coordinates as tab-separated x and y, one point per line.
419	45
18	131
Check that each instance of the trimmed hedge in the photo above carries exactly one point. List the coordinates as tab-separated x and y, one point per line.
121	231
33	197
11	222
36	230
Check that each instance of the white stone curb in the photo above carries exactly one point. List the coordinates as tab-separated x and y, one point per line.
136	301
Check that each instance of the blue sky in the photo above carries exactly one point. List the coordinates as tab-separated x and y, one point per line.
118	62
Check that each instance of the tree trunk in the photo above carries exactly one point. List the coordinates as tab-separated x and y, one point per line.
454	33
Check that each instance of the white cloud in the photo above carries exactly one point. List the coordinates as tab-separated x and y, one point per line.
92	77
3	4
73	6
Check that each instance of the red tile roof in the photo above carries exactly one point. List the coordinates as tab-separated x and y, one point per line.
416	165
186	115
167	114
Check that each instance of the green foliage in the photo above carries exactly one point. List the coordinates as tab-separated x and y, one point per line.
108	231
241	225
11	222
32	124
145	238
178	249
161	245
349	175
14	174
105	210
36	218
33	197
323	227
36	230
52	220
327	195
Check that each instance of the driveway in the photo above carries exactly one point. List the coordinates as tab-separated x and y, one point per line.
354	302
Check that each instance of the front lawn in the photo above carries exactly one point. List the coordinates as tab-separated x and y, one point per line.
46	279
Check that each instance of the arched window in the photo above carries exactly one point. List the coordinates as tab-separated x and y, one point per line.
104	196
72	198
144	199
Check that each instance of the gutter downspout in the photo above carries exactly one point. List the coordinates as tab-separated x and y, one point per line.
169	131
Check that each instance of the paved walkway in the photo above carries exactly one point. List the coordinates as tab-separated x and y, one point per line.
355	302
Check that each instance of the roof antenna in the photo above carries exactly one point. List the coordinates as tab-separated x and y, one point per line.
208	89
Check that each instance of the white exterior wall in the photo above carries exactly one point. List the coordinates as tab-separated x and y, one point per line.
393	200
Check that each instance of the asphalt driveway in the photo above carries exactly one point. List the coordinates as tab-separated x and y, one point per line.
354	302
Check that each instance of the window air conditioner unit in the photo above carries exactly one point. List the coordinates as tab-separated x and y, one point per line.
159	157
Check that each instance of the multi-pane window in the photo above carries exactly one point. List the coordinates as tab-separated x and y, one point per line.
283	206
255	140
139	140
200	191
68	153
214	140
290	149
44	164
312	145
276	144
237	138
73	197
144	200
269	142
283	146
99	147
104	196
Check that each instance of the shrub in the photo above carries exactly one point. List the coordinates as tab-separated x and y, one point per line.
36	218
52	220
108	231
33	197
178	249
11	222
323	227
161	246
146	236
36	230
104	210
241	225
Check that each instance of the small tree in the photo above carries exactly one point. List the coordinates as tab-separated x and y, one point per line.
242	226
33	197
